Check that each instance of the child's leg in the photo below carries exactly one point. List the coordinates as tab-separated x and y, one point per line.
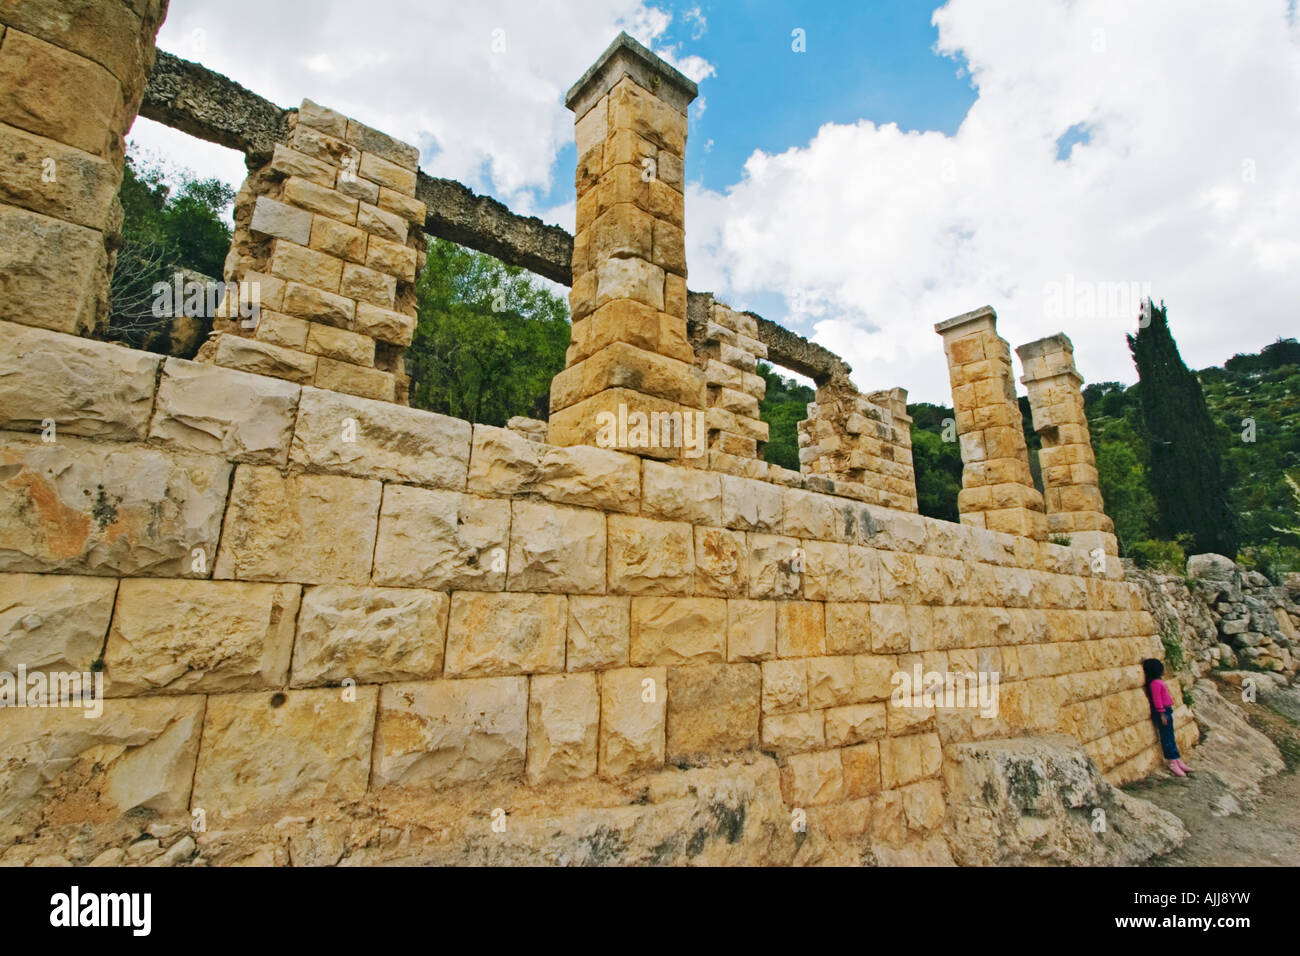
1168	743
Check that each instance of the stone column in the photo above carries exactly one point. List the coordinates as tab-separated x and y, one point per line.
998	490
328	235
629	354
861	439
71	79
1070	490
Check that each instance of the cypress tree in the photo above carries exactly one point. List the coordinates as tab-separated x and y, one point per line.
1186	468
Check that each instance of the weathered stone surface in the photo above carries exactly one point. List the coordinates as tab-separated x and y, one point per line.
442	733
312	529
633	704
712	708
267	751
506	463
493	634
1032	801
75	506
52	273
675	493
563	727
751	630
775	566
650	557
263	358
441	539
678	630
721	562
345	434
66	768
87	388
813	779
53	622
370	635
218	411
176	637
556	548
599	629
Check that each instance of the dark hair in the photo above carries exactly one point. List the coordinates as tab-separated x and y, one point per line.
1151	669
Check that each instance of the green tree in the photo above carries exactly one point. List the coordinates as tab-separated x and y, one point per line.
1186	467
163	229
489	339
784	406
936	462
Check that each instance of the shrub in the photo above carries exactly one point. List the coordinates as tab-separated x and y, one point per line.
1158	554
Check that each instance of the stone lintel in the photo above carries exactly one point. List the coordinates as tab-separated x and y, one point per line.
984	314
626	57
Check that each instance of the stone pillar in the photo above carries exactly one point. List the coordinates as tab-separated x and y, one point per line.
629	354
861	439
727	349
1070	485
71	79
998	490
329	237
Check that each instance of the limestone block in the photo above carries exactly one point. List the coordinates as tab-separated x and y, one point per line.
775	566
308	302
48	269
368	285
371	635
355	379
712	708
349	435
309	266
281	220
391	258
290	162
751	630
177	637
313	529
495	634
73	506
907	759
53	622
412	210
675	493
598	632
379	170
832	681
217	411
633	709
320	199
51	92
563	727
82	192
504	462
382	223
800	629
447	732
650	557
890	631
785	686
813	779
826	572
263	358
628	279
848	628
88	388
750	505
854	724
138	755
324	119
861	766
264	752
793	733
722	562
677	630
382	146
441	539
556	548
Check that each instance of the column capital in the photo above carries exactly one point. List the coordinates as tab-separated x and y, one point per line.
977	319
626	57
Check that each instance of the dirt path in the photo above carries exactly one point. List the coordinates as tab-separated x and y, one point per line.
1265	833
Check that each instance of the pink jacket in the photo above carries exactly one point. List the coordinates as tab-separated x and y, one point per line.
1160	698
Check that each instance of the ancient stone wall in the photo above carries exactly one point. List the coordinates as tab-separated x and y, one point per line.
71	78
328	625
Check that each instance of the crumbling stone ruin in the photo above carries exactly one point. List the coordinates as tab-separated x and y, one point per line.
329	626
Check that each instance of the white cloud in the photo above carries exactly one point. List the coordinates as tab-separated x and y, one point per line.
880	233
478	87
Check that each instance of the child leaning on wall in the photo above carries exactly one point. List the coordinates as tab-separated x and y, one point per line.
1162	713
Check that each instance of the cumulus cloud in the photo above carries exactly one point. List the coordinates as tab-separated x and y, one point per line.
1179	178
478	87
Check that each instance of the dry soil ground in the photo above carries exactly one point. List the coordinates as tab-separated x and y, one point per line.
1266	833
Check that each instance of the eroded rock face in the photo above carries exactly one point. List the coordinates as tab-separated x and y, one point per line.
53	621
1035	801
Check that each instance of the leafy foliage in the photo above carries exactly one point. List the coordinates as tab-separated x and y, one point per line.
936	462
489	340
783	407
